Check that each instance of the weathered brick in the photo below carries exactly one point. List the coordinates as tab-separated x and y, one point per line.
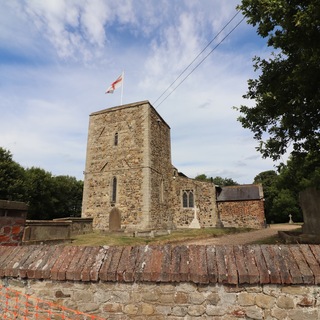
211	264
272	267
198	264
299	258
312	262
91	269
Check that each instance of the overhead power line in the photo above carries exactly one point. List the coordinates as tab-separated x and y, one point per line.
203	59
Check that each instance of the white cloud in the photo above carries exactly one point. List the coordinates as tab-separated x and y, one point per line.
66	53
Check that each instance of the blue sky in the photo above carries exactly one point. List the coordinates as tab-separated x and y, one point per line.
57	57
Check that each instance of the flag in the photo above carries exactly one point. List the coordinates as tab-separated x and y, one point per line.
115	85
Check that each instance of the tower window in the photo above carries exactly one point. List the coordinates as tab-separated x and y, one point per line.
114	189
116	138
161	192
187	199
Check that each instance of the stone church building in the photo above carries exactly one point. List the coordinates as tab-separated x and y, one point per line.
131	184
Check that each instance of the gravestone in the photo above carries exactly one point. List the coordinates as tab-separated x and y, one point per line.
310	204
115	220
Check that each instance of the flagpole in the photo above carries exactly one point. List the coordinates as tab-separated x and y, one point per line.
122	87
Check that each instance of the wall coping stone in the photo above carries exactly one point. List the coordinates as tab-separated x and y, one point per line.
247	264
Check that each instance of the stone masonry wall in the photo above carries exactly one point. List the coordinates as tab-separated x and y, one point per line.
170	282
161	214
177	301
242	214
141	162
106	160
204	200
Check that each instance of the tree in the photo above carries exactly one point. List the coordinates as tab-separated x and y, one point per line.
219	181
11	178
284	204
287	91
39	184
68	194
48	197
52	197
268	179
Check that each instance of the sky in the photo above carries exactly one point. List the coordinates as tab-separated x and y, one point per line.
58	57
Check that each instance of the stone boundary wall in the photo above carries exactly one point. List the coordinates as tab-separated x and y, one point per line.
171	282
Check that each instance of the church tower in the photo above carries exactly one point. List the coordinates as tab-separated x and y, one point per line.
128	173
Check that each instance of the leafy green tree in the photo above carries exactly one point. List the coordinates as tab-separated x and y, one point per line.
287	90
12	177
284	204
40	186
68	195
202	177
217	180
222	182
48	197
268	179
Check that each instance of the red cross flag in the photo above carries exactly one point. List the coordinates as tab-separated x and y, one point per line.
115	85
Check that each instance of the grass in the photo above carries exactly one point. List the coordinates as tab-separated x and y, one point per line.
121	239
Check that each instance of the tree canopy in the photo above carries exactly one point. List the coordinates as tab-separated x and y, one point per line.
287	90
48	196
219	181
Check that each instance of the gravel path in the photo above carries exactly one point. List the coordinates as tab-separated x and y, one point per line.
246	237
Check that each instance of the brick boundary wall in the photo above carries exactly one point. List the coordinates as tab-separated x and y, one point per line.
11	230
12	222
171	282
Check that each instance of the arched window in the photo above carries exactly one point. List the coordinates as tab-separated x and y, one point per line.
161	191
187	199
114	189
191	205
116	138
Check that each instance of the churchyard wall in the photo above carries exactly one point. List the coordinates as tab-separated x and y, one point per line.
168	282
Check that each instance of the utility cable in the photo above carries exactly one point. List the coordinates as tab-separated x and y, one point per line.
214	38
198	63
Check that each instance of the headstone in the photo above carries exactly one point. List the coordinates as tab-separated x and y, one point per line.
290	218
115	220
310	204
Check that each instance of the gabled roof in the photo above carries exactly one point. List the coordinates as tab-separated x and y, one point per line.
240	193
